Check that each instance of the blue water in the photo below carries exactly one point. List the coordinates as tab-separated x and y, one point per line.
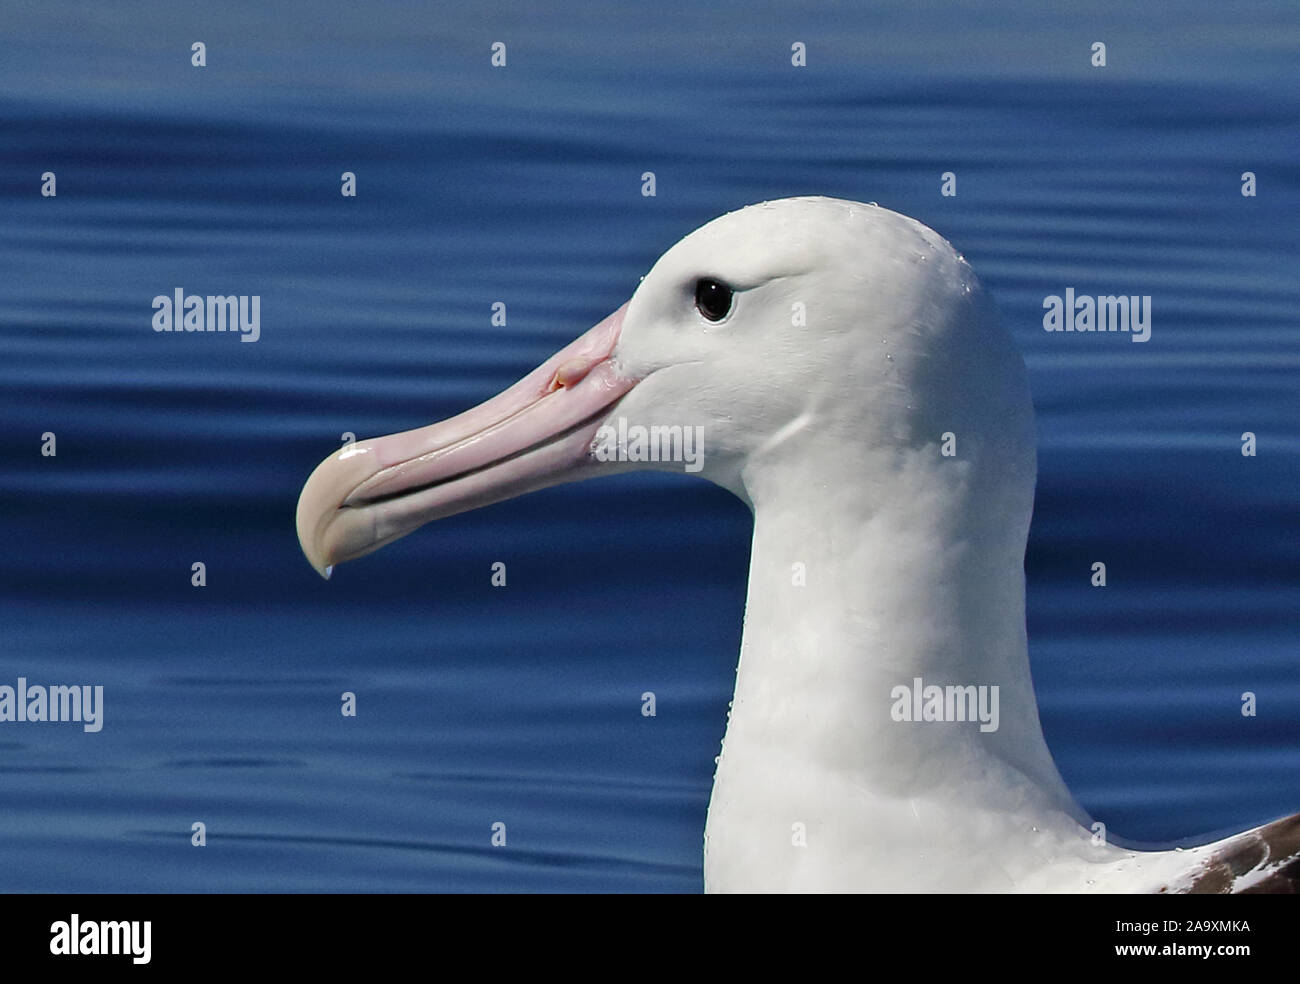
522	184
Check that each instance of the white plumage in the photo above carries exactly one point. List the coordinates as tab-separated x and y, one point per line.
858	348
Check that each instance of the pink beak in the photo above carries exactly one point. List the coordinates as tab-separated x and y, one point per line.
535	434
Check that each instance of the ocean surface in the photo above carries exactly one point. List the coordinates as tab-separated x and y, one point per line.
522	184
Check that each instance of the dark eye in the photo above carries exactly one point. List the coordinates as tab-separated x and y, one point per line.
712	298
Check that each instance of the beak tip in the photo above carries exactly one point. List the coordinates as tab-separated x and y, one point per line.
318	562
311	519
318	557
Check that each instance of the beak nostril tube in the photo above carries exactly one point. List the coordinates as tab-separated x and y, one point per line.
571	373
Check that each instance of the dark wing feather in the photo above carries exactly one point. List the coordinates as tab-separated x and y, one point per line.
1274	847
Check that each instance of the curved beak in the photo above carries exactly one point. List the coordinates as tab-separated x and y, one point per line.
535	434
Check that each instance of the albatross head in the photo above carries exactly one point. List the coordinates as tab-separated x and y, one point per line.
841	370
791	336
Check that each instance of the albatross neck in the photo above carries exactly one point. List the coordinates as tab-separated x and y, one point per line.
907	567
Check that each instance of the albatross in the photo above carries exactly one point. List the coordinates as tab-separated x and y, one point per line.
851	384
